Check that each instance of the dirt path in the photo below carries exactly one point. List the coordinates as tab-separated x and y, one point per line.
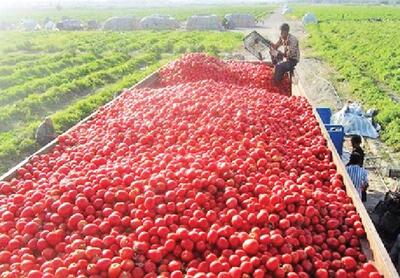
314	75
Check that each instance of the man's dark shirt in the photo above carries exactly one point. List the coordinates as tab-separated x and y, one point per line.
360	151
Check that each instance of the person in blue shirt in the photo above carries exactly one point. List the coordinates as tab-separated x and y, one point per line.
356	145
358	175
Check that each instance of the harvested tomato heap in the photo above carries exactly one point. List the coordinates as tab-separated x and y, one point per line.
196	67
203	179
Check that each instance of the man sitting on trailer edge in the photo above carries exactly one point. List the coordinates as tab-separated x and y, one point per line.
291	53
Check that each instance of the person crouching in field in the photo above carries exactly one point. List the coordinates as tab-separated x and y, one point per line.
358	175
45	132
291	53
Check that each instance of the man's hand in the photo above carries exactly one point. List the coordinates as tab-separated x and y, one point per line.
277	44
273	52
274	45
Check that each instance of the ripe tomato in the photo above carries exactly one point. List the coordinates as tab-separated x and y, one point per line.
322	273
349	263
272	263
250	246
114	270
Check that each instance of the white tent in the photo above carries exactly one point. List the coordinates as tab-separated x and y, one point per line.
287	10
29	25
204	22
127	23
309	18
3	26
50	26
240	20
93	24
70	25
159	22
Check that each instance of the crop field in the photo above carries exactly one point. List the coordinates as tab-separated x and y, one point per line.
68	75
101	14
353	13
361	44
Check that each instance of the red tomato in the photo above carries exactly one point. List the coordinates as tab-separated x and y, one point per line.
322	273
154	255
272	263
349	263
250	246
114	270
65	209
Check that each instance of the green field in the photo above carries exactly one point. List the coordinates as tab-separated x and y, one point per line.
362	43
326	13
101	14
67	75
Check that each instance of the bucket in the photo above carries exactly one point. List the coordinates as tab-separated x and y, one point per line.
325	114
336	132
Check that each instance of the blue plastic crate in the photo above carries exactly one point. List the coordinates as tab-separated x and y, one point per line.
325	114
336	132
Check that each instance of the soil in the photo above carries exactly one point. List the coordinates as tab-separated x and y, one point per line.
318	81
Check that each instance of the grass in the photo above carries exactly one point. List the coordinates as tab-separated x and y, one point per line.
360	43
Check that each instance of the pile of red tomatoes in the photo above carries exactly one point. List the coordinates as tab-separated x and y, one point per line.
198	66
198	179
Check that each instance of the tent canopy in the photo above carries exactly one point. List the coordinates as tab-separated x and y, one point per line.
126	23
240	20
204	22
159	22
309	18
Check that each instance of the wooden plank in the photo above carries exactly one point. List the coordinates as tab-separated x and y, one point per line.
380	256
148	81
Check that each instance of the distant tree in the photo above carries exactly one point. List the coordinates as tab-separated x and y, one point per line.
59	7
